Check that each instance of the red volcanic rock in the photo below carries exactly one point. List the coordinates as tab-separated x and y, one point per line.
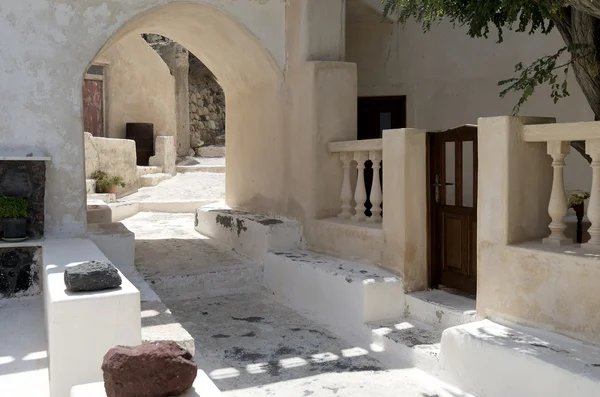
160	369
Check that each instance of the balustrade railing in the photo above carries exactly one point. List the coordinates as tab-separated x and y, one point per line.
364	203
558	138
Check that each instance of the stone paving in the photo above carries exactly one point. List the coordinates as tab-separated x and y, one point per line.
250	344
189	186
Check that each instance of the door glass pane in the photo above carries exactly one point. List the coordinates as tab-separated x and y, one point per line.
450	173
385	122
467	163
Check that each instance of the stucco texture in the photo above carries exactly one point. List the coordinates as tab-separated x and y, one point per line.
139	88
48	45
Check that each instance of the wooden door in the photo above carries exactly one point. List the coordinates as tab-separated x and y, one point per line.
453	208
93	107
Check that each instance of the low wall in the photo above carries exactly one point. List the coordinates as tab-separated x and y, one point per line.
541	287
113	156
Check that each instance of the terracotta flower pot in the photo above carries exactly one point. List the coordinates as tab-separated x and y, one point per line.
112	189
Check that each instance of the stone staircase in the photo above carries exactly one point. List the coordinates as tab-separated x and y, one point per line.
436	331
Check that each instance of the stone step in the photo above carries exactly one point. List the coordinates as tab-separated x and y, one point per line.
98	212
158	324
219	169
253	235
211	151
440	308
147	170
106	197
339	292
90	186
150	180
216	282
405	341
493	360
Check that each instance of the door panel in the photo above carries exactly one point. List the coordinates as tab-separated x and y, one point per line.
93	107
453	208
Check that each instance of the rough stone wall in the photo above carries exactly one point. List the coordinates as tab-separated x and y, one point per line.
207	106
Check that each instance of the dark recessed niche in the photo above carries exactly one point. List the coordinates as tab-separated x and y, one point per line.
19	272
26	179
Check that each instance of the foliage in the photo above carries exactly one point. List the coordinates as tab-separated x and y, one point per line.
104	181
481	17
14	207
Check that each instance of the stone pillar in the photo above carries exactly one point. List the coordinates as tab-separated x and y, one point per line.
177	59
592	148
405	202
180	69
557	207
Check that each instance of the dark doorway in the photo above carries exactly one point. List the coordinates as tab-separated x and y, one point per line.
453	208
376	114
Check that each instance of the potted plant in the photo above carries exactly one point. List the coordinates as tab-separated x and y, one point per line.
14	212
107	183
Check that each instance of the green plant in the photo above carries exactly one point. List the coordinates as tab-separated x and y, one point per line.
14	207
105	181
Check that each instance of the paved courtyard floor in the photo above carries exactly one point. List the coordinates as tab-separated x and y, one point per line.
250	344
194	186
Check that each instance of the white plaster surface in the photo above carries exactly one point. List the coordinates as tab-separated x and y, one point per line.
193	187
253	235
339	292
108	318
23	350
492	360
440	308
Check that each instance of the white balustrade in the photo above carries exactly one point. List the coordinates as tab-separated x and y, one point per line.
592	148
557	207
354	203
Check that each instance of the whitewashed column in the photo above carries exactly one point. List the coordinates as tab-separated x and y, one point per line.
557	207
592	148
376	197
360	194
346	193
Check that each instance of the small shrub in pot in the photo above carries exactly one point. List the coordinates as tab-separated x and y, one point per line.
106	183
14	212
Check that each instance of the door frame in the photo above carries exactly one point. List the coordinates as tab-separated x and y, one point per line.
434	273
103	79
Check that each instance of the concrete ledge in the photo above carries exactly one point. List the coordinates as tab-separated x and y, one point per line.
82	327
98	212
488	359
219	169
203	387
253	235
123	210
440	308
336	291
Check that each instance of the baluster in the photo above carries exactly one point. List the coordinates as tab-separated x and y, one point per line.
592	148
360	194
376	197
346	193
557	207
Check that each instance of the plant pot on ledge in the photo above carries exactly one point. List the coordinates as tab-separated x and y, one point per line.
106	183
14	212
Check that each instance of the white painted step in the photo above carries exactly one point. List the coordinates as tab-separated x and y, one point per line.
253	235
492	360
147	170
220	169
405	341
159	324
154	179
440	309
106	197
340	293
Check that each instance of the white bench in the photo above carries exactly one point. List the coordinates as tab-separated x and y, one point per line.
82	327
203	387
